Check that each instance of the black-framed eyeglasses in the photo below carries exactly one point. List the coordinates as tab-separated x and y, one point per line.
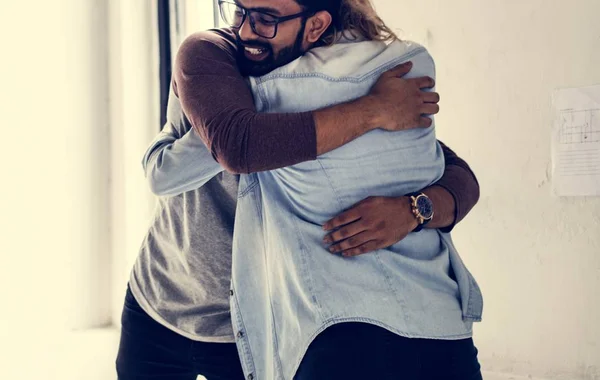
263	24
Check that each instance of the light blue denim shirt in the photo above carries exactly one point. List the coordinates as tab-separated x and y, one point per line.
286	286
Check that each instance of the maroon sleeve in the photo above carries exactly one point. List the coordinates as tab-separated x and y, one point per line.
218	102
460	181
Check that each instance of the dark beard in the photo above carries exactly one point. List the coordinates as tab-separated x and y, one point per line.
285	56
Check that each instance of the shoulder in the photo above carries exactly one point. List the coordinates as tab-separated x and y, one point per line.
406	48
423	63
211	45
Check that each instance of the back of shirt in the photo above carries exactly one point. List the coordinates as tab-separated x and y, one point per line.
287	286
379	163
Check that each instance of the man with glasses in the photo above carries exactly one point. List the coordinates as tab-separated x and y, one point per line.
176	321
264	22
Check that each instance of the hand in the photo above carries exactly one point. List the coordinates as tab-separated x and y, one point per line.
403	103
374	223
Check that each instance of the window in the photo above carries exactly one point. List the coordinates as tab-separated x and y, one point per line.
177	19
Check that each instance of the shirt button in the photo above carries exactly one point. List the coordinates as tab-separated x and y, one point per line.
240	334
231	292
250	377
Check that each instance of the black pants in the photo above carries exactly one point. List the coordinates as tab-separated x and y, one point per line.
357	351
149	350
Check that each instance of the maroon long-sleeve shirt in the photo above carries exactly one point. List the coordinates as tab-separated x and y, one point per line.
218	102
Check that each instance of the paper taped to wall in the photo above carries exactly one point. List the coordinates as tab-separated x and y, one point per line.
576	142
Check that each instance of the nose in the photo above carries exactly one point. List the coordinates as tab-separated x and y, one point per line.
246	32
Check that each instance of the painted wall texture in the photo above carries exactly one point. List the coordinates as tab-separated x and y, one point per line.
536	256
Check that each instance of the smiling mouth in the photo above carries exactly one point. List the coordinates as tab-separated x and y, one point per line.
255	51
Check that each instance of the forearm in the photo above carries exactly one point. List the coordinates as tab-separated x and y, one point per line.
444	206
175	166
177	160
457	192
248	142
340	124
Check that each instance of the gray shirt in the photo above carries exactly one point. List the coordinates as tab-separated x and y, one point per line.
182	275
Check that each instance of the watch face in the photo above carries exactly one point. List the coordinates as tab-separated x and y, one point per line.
425	207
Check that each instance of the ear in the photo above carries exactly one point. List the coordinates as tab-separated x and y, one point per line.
317	25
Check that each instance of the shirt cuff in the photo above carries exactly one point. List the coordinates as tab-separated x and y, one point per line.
458	182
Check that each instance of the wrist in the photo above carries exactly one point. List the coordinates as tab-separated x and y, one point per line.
404	206
444	205
338	125
414	221
422	209
369	107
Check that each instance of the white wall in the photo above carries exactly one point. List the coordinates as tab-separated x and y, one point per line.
54	246
76	118
55	238
536	256
135	120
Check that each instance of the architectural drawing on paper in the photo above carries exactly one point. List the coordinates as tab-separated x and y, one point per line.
579	127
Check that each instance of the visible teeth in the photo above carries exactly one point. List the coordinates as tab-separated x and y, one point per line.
254	51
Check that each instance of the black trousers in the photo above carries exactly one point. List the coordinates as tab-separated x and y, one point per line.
149	350
357	351
344	351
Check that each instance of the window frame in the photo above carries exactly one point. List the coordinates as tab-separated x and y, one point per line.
176	20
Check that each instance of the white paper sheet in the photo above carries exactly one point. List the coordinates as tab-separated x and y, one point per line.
576	142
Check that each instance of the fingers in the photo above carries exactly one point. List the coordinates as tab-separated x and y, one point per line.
352	243
344	218
423	82
425	122
430	109
345	232
430	97
400	70
367	247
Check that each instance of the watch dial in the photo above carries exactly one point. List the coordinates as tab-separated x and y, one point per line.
425	207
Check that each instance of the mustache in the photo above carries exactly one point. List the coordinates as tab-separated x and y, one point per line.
252	44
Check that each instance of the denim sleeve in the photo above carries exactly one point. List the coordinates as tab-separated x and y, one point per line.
177	160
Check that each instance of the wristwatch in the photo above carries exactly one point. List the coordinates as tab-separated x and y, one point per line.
422	209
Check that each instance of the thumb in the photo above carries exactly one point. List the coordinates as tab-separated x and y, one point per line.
401	70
